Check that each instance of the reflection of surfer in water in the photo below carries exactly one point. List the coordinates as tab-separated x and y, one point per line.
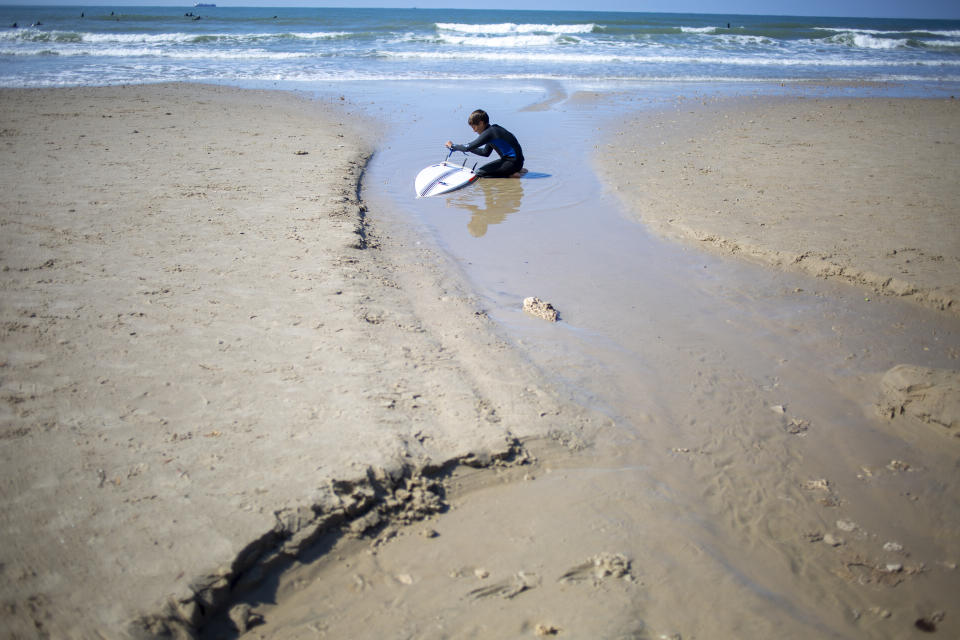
499	202
493	138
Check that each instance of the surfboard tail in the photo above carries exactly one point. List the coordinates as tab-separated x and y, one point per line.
442	178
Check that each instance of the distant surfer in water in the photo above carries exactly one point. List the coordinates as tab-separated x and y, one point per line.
493	137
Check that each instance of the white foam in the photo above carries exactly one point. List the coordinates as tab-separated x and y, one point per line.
944	44
512	28
70	37
745	39
145	52
601	58
932	32
867	41
511	42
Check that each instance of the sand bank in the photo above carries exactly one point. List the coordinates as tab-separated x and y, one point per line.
863	190
207	359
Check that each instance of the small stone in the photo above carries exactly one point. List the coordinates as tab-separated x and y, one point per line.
483	574
832	540
542	630
894	567
797	426
821	484
898	465
846	525
892	547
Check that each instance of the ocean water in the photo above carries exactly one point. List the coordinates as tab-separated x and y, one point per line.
66	46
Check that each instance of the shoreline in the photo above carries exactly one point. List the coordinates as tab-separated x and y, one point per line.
870	178
209	361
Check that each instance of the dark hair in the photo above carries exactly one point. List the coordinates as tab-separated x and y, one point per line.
477	117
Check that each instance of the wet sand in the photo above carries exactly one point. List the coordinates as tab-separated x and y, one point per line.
753	480
759	475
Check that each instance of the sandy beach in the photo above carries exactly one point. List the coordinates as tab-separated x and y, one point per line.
863	191
240	402
200	336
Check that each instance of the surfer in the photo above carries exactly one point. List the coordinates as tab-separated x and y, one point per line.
492	137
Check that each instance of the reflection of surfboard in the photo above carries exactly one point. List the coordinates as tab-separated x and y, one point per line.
442	178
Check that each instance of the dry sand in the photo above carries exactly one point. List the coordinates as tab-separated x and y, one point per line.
200	335
862	190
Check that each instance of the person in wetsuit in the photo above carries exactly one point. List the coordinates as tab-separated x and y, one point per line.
492	137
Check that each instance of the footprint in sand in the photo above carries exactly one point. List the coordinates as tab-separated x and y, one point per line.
509	588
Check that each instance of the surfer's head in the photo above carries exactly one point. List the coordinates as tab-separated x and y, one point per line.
479	120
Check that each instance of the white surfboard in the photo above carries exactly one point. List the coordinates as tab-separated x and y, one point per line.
442	178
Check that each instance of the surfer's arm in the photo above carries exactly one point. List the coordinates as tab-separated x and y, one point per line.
481	146
482	151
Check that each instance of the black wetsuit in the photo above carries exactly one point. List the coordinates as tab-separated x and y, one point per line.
496	138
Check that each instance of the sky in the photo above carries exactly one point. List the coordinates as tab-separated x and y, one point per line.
944	9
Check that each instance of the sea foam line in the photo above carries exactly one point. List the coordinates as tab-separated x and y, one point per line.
199	54
932	32
566	58
511	28
73	37
503	41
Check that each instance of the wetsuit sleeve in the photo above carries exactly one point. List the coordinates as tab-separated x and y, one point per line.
481	146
